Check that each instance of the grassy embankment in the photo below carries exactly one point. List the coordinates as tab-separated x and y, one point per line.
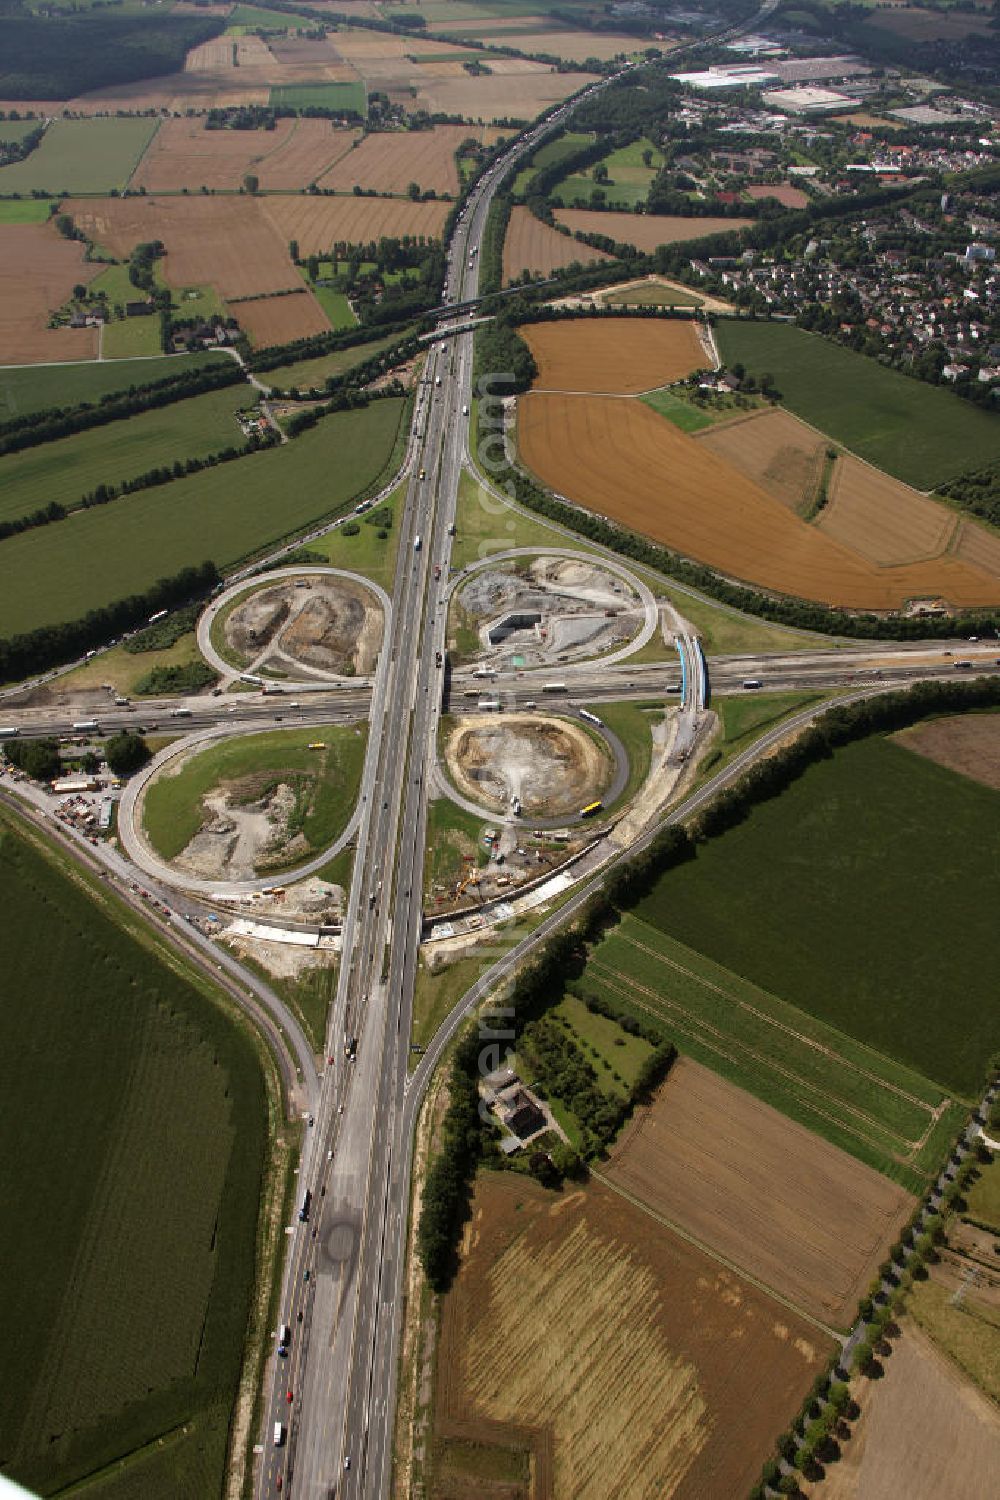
325	783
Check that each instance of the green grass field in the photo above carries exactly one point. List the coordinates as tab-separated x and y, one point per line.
629	179
653	295
306	373
346	96
59	572
607	1048
326	783
16	130
131	338
984	1196
633	725
863	1101
334	304
547	156
367	553
23	210
915	431
742	719
681	413
969	1331
135	1132
30	388
452	833
248	17
71	467
81	156
866	895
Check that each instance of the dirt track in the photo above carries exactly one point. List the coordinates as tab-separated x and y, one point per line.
780	1202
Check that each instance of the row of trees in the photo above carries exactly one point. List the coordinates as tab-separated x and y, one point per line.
42	761
52	645
361	374
34	428
347	399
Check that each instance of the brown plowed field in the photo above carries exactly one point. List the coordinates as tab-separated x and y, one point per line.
644	231
791	197
389	162
882	518
621	459
572	46
977	545
38	270
611	354
279	320
184	154
533	246
925	1432
228	243
966	743
627	1362
317	223
765	1192
775	450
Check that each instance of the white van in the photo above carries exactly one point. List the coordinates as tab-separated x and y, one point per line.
279	1435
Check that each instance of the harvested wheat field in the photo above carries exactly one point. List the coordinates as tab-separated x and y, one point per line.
925	1432
38	270
644	231
390	161
292	155
974	544
624	1359
571	46
533	246
621	459
318	223
519	95
966	743
279	320
778	1201
784	192
229	243
611	354
775	450
882	518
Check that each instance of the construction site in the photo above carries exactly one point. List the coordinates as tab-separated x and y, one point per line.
527	765
543	610
318	626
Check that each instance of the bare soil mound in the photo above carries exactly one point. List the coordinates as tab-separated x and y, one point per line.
551	766
247	829
321	624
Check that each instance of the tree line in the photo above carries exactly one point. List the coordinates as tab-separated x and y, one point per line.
51	645
103	494
35	428
343	400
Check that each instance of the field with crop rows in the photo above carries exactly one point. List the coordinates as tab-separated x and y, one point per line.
681	494
388	163
349	95
70	467
917	432
279	320
124	1321
865	895
644	231
38	270
606	354
773	1198
60	572
533	246
776	451
292	155
560	1305
80	156
858	1099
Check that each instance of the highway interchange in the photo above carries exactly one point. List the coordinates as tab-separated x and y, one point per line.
341	1293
